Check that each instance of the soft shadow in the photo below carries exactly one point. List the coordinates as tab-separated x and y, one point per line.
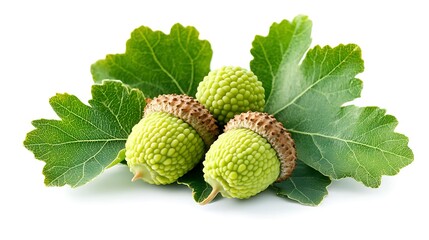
117	182
348	191
347	185
264	204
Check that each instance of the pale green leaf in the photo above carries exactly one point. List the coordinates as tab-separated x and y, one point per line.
357	142
277	55
308	99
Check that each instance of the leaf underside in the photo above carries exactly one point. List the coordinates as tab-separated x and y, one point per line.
87	139
158	63
308	95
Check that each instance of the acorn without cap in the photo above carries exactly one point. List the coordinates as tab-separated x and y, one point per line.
229	90
170	139
254	151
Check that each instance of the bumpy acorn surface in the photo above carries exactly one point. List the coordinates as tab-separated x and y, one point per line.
254	151
229	91
170	139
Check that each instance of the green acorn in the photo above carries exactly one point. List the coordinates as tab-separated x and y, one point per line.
254	151
229	91
170	139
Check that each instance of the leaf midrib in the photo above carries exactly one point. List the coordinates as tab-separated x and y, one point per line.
287	52
316	82
155	58
348	141
79	141
191	60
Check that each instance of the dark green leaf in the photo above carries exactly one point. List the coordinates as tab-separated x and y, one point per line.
194	179
306	185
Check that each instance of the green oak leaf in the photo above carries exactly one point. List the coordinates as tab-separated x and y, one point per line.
194	179
87	139
308	98
158	63
306	185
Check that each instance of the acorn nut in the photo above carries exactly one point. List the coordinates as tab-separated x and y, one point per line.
229	91
170	139
254	151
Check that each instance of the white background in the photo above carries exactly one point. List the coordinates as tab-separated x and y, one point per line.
48	46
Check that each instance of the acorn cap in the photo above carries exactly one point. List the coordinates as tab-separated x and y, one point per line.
272	130
189	110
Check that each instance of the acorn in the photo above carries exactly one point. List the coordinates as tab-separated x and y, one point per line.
254	151
170	139
229	91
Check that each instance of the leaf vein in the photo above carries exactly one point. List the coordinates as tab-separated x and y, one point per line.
85	120
315	83
155	58
348	141
323	156
300	192
116	115
122	68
